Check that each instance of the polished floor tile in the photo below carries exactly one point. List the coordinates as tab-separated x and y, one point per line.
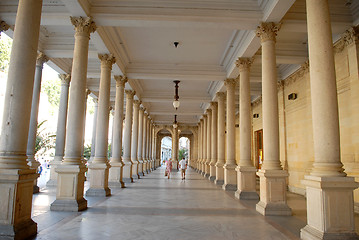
158	208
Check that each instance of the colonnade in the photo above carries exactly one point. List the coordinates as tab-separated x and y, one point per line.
330	212
329	190
17	163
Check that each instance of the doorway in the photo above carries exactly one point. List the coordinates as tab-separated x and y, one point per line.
259	148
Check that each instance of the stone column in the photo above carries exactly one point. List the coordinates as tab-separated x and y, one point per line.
71	172
99	166
214	107
144	142
61	129
127	164
272	176
246	172
221	97
199	146
148	144
31	139
209	144
16	178
94	127
115	174
230	174
154	148
204	145
134	139
174	148
140	142
330	212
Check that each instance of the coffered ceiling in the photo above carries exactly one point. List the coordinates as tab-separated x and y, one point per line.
212	34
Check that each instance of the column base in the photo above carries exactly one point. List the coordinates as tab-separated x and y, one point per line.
273	200
140	169
212	172
99	180
115	175
35	188
127	172
16	188
70	189
219	174
230	177
219	182
246	183
53	174
135	174
330	205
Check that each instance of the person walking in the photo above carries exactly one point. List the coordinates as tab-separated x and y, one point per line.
183	166
168	168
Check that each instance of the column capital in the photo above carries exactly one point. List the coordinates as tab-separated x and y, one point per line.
214	105
267	31
41	59
137	103
351	36
244	64
88	92
83	25
230	83
3	26
130	93
107	60
208	111
120	80
221	95
65	79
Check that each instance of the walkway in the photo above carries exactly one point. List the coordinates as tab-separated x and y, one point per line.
159	208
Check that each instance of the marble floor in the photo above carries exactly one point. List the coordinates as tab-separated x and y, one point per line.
155	207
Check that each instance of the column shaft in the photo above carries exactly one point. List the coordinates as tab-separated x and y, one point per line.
144	142
329	192
230	175
16	179
116	174
221	138
209	135
214	124
94	127
140	142
127	168
61	128
134	139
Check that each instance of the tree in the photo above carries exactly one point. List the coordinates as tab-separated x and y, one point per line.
44	141
5	50
52	88
87	152
183	153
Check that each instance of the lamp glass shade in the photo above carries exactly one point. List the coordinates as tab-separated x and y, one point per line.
175	125
176	104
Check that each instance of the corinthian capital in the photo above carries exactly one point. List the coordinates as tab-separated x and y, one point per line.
130	93
3	26
83	25
351	36
41	59
120	80
267	31
230	82
221	95
65	79
244	64
107	60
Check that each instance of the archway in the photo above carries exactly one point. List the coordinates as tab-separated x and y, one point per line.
184	148
166	148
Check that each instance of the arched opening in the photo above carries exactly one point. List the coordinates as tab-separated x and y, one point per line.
166	148
184	148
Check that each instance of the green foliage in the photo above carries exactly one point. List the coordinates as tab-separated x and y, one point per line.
183	153
109	151
5	50
44	141
87	152
52	88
